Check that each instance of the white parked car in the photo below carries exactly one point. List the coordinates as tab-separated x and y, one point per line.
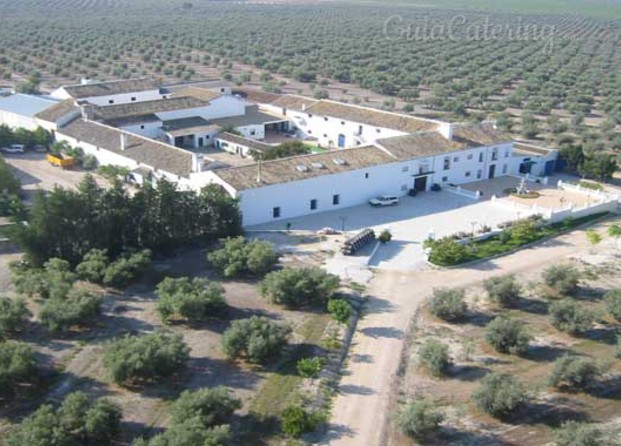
14	148
384	200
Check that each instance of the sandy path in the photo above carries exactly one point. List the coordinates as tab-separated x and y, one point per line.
360	412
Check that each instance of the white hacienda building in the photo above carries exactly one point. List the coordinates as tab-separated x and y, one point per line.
173	133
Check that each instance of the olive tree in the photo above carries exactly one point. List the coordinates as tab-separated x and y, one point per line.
296	287
419	419
340	310
499	395
613	303
213	407
573	372
191	299
507	335
503	290
448	304
576	433
17	364
434	356
242	257
562	278
13	315
256	338
570	316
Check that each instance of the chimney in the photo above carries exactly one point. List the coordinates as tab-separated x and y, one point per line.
446	129
124	141
88	112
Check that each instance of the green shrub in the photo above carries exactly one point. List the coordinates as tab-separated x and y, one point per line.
419	419
446	252
242	257
507	335
499	395
190	433
125	270
257	338
53	281
523	231
296	287
569	316
435	357
573	372
148	357
340	310
13	315
93	266
191	299
503	290
76	422
78	309
575	433
613	303
385	236
563	279
310	367
448	304
17	363
294	421
213	407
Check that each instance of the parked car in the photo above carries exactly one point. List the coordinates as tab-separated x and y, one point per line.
384	200
14	148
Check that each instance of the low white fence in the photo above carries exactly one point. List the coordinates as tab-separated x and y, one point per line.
458	190
597	194
532	178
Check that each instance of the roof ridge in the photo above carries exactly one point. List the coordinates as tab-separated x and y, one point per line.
376	110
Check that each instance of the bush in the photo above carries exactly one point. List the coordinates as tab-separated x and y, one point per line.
189	433
53	281
295	421
563	279
310	367
296	287
507	335
419	419
242	257
257	338
13	315
340	310
435	357
93	266
213	407
575	433
125	270
613	303
499	395
191	299
148	357
385	236
89	162
17	363
446	252
569	316
78	309
503	290
76	422
573	372
448	304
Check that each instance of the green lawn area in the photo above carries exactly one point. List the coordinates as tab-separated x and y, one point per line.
504	242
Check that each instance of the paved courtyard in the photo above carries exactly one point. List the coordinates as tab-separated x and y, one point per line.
410	222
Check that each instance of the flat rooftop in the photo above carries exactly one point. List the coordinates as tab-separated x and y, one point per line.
252	117
25	104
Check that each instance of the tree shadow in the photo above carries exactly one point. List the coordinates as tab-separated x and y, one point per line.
477	318
449	435
209	372
549	413
376	305
336	432
533	306
355	389
382	332
607	335
251	429
609	389
362	358
545	353
468	372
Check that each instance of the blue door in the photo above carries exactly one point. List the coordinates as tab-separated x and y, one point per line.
549	169
341	140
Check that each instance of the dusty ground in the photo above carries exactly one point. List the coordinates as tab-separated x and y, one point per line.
361	411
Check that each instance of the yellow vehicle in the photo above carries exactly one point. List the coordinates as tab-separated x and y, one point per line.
60	160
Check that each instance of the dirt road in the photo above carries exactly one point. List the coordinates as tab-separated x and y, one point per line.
360	410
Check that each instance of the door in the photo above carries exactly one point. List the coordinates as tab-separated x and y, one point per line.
420	184
549	169
201	141
341	140
492	171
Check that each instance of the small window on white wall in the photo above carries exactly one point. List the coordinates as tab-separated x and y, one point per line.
404	187
444	179
479	174
470	156
468	173
405	169
505	167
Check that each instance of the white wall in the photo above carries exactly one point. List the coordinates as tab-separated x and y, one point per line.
124	98
104	157
148	129
255	131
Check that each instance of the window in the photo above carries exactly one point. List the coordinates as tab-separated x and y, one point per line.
310	132
222	90
404	187
494	154
276	212
142	126
505	167
456	159
111	101
325	135
284	111
342	122
207	136
366	175
336	199
447	163
470	156
310	116
313	204
133	99
360	130
481	157
444	179
378	130
506	154
405	169
479	174
468	173
325	119
253	132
